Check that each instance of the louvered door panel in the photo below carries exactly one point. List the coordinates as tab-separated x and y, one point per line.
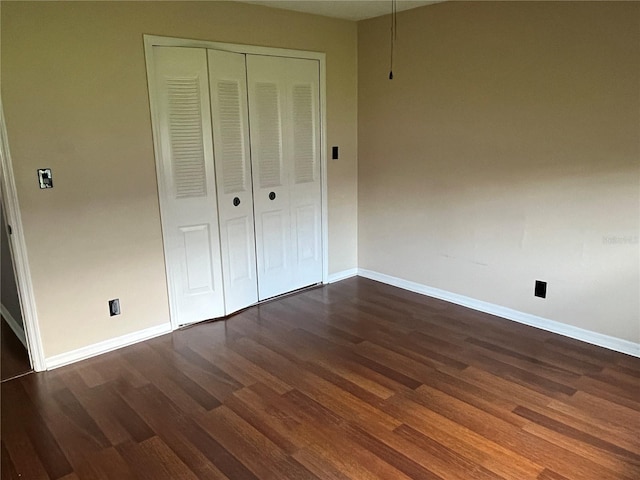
227	77
231	135
182	127
267	129
304	142
185	132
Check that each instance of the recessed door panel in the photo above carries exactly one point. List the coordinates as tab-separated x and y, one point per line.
306	234
241	262
198	277
275	238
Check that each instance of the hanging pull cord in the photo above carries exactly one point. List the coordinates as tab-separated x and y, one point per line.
393	35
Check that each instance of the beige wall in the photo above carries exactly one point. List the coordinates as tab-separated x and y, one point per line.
75	97
506	150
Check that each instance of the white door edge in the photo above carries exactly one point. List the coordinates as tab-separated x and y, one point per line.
159	41
324	201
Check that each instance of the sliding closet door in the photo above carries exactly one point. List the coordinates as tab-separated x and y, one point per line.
285	147
187	183
227	80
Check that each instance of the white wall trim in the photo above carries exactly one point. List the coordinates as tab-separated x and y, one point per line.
106	346
323	168
18	247
14	325
595	338
162	41
343	275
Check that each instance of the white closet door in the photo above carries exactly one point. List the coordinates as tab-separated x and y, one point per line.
304	172
227	80
285	148
187	184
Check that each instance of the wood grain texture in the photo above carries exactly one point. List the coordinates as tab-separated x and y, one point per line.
14	358
351	381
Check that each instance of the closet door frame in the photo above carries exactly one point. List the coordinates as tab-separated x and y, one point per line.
151	41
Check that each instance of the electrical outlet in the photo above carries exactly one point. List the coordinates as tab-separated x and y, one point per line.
114	307
541	289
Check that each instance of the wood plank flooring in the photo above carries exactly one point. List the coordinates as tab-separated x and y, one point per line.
356	380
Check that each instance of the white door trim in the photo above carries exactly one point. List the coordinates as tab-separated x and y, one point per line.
151	41
18	248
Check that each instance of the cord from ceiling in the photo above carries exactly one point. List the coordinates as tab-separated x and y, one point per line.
394	28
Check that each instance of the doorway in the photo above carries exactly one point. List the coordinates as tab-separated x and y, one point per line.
14	360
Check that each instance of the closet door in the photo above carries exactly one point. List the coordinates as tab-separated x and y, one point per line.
187	184
227	80
285	147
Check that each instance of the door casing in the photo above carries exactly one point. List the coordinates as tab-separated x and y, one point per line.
18	249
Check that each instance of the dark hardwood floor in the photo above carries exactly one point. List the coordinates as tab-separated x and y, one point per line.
14	358
356	380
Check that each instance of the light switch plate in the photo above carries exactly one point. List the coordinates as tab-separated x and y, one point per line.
44	178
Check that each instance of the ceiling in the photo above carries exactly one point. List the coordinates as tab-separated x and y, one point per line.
345	9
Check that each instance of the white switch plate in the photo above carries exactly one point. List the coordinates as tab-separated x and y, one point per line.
45	178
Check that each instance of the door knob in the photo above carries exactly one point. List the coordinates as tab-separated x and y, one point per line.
236	201
272	196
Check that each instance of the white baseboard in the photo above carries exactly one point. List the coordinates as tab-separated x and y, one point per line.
606	341
16	326
106	346
343	275
588	336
